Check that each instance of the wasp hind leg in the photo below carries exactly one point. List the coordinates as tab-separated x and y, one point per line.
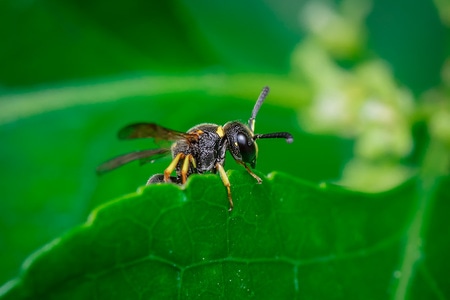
172	166
159	178
226	183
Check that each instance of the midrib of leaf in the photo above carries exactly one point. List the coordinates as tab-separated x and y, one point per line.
412	251
434	164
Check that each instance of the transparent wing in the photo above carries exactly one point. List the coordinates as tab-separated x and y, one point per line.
152	130
144	156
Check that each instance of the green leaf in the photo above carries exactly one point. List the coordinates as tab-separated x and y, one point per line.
285	238
49	187
101	39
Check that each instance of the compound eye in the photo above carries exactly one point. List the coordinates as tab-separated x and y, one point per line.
246	148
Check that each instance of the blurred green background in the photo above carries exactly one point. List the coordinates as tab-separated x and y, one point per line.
362	85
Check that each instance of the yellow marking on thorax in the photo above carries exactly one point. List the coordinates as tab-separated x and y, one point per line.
219	131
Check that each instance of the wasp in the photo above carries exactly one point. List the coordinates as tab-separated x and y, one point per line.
201	149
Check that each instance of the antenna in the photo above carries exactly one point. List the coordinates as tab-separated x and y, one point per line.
259	102
286	135
251	122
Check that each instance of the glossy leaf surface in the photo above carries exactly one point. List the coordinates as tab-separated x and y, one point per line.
285	238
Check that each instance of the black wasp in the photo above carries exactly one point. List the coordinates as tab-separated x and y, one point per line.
202	149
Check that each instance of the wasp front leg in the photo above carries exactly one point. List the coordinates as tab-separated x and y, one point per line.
250	172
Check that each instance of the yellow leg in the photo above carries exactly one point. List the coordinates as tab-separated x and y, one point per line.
250	172
226	183
172	166
191	158
185	168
